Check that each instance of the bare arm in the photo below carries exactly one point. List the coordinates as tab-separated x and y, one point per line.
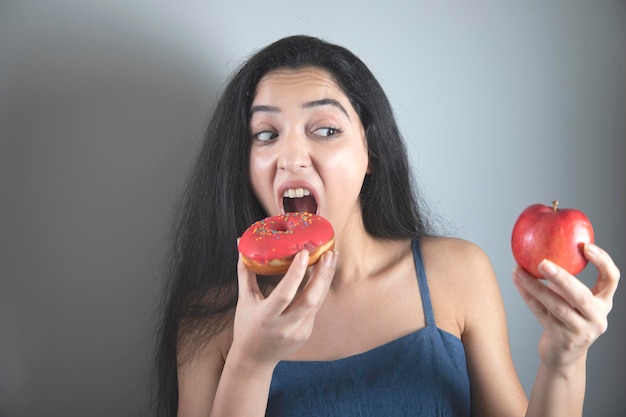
495	387
573	317
266	330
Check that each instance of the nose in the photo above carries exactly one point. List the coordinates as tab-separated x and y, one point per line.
293	153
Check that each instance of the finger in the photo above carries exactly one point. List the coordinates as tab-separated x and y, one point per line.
248	284
315	290
288	286
608	273
569	289
524	284
547	305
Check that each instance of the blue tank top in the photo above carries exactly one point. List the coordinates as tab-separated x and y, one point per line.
421	374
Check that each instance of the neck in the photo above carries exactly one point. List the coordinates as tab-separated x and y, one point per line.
362	256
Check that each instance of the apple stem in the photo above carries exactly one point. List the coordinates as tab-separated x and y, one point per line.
555	204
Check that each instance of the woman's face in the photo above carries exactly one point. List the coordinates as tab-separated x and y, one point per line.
308	146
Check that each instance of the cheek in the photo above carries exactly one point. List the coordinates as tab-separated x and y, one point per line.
349	169
260	175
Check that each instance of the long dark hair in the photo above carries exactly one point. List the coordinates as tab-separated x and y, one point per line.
218	203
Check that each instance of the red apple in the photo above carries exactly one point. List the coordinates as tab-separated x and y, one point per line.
559	235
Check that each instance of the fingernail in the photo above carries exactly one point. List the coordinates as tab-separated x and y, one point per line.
548	268
592	249
304	258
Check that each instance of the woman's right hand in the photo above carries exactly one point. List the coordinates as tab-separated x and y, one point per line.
266	330
270	329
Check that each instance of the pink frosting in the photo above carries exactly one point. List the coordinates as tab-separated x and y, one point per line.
284	235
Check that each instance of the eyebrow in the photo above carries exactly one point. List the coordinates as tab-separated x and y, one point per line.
307	105
264	108
325	102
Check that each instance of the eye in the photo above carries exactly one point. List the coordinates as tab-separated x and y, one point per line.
265	136
327	131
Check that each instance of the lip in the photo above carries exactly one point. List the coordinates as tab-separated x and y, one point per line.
295	184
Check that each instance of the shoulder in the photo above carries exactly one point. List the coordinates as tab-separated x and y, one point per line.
455	256
466	298
215	348
459	274
199	369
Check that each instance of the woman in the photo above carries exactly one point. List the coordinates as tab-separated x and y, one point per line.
394	321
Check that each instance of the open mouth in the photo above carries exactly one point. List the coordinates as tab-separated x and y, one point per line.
299	199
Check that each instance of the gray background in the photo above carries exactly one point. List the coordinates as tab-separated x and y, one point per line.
103	104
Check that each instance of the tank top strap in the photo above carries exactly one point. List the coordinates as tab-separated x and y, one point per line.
423	284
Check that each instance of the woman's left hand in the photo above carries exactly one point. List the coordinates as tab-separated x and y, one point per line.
573	316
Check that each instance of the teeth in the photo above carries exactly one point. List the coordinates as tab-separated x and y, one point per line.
296	193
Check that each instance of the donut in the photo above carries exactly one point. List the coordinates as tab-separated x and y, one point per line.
268	246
